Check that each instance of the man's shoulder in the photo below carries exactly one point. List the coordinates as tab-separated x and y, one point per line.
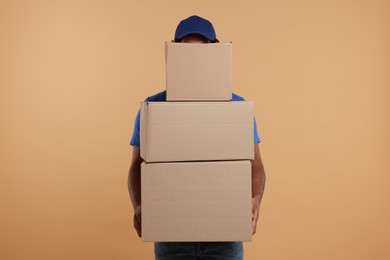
162	96
236	97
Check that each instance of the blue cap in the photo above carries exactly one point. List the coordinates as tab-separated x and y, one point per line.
195	25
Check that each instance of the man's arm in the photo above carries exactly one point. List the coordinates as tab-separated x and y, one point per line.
134	186
258	184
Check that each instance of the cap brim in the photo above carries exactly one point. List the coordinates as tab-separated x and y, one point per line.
194	32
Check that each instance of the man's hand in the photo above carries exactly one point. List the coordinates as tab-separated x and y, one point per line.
137	220
258	183
134	185
255	212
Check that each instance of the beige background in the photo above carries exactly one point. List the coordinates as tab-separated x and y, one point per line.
73	74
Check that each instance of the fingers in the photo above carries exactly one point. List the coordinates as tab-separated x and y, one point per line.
254	224
255	217
137	226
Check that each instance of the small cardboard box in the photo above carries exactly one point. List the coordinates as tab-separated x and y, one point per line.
198	72
196	131
196	201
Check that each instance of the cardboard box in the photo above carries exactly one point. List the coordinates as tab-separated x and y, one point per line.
196	201
198	72
196	131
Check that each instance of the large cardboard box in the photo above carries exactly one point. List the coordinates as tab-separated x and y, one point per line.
196	131
196	201
198	72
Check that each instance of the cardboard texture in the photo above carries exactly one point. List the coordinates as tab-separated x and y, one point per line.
196	131
196	201
198	72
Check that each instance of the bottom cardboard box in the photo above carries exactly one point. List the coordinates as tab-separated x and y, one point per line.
196	201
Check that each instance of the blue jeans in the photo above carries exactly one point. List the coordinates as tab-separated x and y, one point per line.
198	250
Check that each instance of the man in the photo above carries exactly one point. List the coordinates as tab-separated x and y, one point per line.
194	30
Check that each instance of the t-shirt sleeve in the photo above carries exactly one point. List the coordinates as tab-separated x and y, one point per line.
256	135
135	138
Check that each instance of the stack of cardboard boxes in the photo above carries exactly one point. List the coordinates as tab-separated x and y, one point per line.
196	174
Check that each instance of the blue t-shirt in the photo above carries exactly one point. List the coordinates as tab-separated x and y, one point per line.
162	96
